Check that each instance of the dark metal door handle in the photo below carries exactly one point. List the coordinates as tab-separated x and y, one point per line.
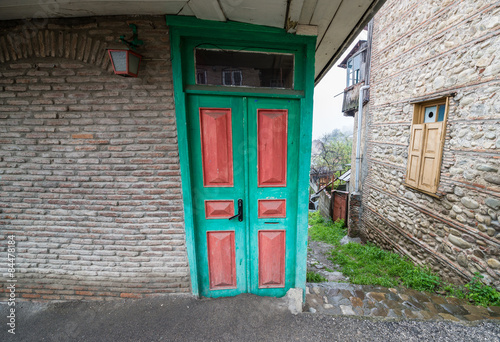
239	215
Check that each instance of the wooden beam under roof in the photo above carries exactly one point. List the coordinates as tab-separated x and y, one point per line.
307	30
293	15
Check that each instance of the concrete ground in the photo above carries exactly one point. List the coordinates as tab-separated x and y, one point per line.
241	318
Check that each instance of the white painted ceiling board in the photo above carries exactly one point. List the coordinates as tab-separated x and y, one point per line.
348	15
186	11
307	12
323	14
85	8
47	5
260	12
207	10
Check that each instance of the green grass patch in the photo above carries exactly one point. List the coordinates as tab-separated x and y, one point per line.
371	265
326	230
454	291
480	293
313	277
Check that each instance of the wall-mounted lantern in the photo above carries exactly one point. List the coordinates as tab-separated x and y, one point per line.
126	62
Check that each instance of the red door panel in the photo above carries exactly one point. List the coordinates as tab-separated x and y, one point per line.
216	147
272	208
221	260
272	147
219	209
271	258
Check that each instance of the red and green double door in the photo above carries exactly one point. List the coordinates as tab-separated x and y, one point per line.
244	164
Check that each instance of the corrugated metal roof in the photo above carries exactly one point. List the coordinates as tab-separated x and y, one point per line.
346	176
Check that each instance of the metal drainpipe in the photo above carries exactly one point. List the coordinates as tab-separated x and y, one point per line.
358	138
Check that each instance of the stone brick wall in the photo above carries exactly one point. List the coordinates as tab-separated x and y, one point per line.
424	49
354	215
355	208
89	168
363	168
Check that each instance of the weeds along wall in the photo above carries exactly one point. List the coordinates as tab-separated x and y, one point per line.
424	49
89	167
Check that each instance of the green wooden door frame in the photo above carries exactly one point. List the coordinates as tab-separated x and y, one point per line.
188	32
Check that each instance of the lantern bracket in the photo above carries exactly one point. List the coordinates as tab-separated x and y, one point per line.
135	42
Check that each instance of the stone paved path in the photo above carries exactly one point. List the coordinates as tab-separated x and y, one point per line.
338	297
365	300
317	261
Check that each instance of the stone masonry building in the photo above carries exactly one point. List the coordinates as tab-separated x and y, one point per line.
431	160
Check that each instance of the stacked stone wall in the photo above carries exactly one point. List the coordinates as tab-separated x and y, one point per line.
421	50
354	215
89	169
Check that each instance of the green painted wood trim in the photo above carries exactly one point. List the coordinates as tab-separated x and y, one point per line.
180	118
306	120
194	23
246	203
242	91
196	28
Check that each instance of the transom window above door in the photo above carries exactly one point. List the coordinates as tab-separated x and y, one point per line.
244	68
434	113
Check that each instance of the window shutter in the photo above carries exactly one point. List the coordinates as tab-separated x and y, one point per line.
431	157
415	154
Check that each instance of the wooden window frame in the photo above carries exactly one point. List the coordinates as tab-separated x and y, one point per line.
419	109
421	150
354	76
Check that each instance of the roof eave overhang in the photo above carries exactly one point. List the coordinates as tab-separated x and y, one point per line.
365	19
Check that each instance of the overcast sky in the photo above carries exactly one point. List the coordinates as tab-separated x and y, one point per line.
327	108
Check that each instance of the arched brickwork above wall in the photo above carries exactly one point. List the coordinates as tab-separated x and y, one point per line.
68	44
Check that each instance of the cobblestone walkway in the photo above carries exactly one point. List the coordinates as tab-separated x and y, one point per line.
365	300
338	297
